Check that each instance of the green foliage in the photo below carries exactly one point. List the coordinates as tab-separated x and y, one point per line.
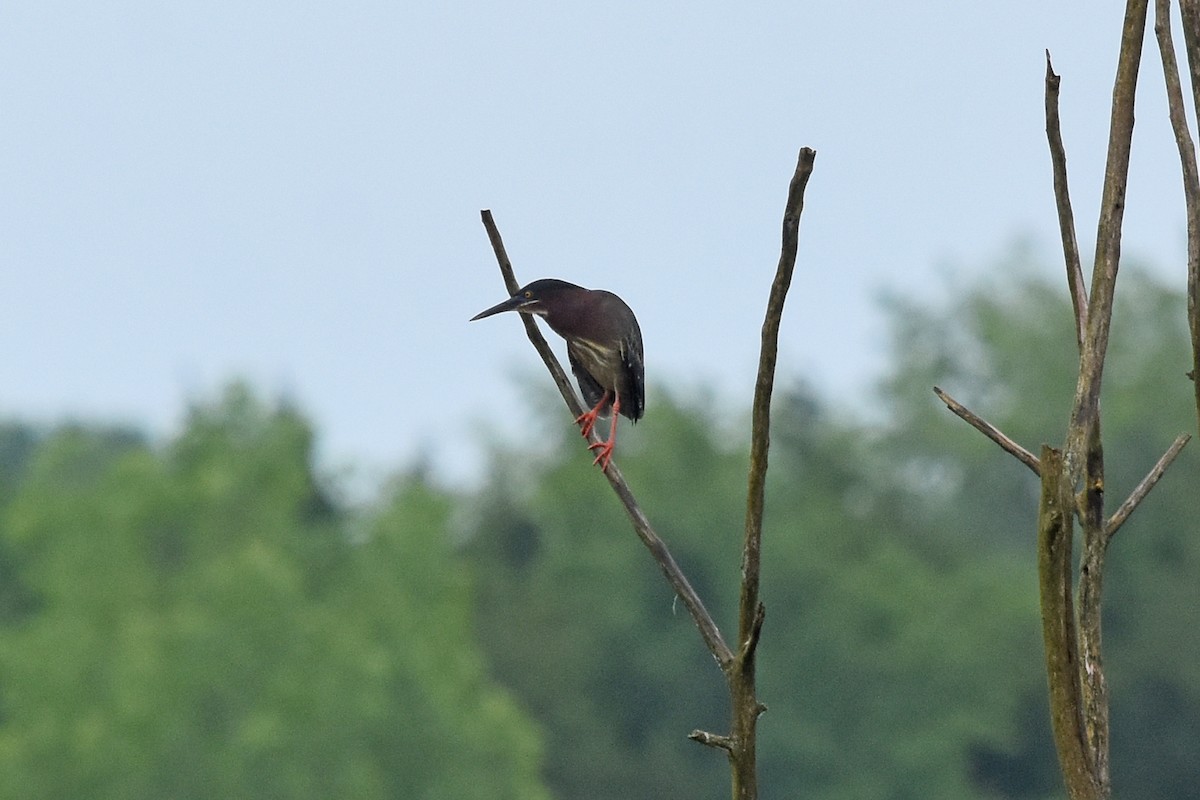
200	618
1016	368
901	655
198	621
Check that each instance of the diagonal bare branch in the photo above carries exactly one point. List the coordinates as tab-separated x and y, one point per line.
1062	198
641	524
1142	489
991	431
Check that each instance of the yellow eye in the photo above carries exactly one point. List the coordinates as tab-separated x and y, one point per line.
528	295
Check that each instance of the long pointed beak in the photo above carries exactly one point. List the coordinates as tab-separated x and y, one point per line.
511	304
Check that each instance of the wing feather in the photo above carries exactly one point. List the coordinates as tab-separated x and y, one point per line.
633	406
591	388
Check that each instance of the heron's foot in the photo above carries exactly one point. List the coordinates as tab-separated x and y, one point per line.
588	420
605	454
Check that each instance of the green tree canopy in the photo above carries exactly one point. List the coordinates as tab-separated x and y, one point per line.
201	620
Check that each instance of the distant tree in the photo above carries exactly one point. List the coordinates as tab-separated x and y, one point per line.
1009	345
1073	474
204	621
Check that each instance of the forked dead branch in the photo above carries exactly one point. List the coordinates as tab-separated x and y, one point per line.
1073	477
737	664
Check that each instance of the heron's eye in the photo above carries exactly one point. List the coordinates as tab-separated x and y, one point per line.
528	295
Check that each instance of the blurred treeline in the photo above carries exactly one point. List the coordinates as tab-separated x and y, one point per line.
205	618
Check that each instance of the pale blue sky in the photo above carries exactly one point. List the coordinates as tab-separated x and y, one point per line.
290	192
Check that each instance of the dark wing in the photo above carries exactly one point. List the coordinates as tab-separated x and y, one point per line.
633	399
592	390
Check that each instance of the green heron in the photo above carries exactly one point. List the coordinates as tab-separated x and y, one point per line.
604	346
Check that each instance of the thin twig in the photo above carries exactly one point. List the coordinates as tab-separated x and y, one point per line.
991	431
1142	489
712	740
1190	13
641	525
1062	198
1187	155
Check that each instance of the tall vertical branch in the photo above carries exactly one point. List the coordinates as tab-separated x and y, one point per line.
1108	239
760	437
1073	481
746	707
1078	702
1085	419
1190	14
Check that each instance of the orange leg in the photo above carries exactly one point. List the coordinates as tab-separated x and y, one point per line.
588	418
606	448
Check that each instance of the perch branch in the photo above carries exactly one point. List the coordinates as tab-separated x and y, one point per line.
739	668
991	431
641	525
1142	489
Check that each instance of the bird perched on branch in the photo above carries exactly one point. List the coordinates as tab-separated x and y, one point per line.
604	346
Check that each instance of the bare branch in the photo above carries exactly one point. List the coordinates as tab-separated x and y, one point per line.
1142	489
1062	198
641	525
531	330
1190	14
761	419
991	431
1178	115
1083	456
745	705
1108	240
1187	153
739	669
712	740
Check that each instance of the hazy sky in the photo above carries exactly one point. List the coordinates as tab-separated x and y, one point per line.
290	192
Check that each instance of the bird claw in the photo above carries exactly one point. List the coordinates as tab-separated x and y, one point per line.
588	420
605	454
